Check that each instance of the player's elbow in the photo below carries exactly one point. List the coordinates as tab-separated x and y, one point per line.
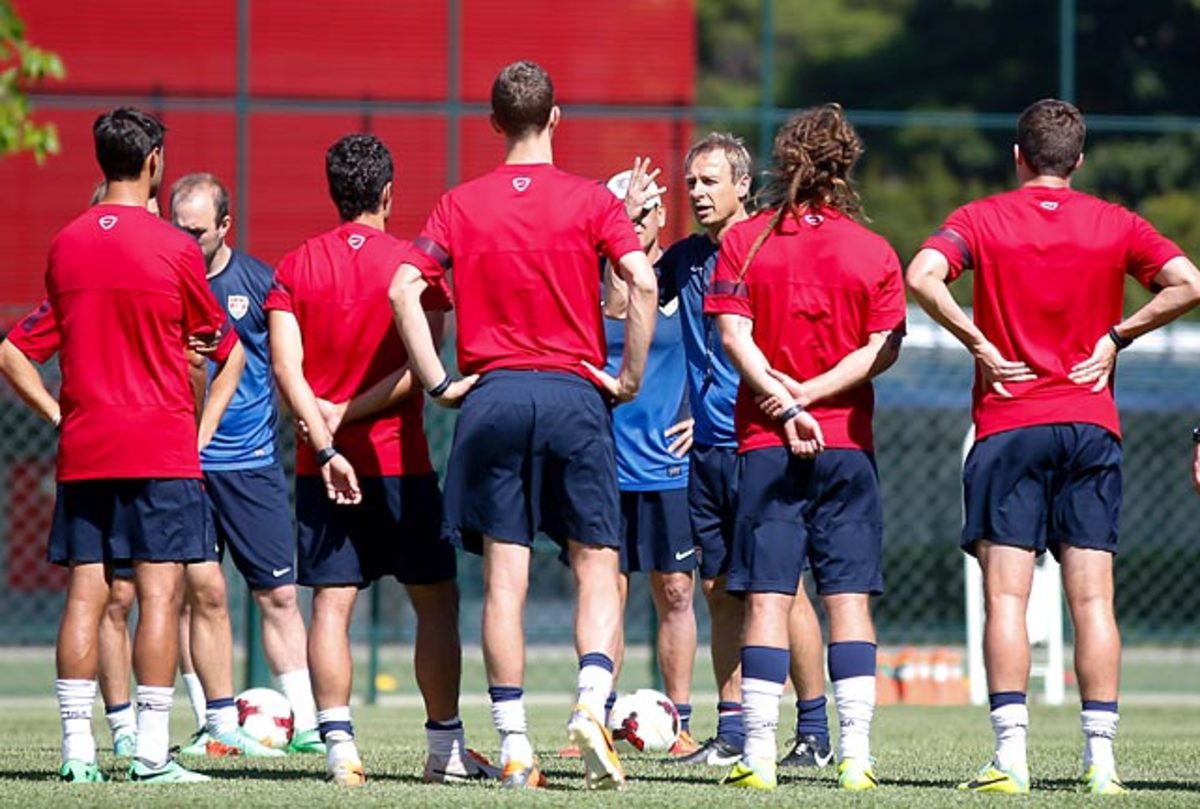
404	289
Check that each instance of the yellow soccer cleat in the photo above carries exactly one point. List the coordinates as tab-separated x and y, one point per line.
1098	781
994	778
857	775
602	767
518	775
347	774
747	774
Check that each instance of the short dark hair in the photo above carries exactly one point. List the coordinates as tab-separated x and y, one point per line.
522	98
188	184
358	167
124	138
1050	134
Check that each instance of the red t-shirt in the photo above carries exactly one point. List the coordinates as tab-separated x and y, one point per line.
1050	266
816	290
524	243
125	291
336	285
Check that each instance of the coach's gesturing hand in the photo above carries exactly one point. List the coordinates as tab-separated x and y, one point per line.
997	369
1096	369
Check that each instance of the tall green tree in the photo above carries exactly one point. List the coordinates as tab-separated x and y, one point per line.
23	65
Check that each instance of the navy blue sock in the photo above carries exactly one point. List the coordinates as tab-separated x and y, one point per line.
854	658
730	726
812	719
1001	698
433	724
111	709
685	716
1096	705
597	659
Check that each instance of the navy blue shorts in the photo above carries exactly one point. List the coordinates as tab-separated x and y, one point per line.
118	522
826	511
656	532
249	515
392	532
533	451
712	500
1043	486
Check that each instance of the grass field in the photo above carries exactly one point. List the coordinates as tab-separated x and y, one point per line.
922	753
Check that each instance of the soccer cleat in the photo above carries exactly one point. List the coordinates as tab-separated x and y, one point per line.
809	751
76	771
1098	781
715	752
748	774
994	778
306	741
457	769
518	775
347	774
172	772
857	775
238	743
685	745
125	745
197	745
602	767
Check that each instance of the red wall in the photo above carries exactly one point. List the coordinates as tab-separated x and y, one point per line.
182	56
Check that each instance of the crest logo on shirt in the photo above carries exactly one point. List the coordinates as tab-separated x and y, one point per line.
238	306
814	219
521	183
356	241
107	222
1049	205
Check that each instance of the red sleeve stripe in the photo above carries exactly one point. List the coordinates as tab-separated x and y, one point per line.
959	242
434	250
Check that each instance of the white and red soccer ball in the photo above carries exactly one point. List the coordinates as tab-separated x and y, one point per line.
266	716
645	720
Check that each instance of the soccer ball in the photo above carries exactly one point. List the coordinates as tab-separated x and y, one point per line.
265	715
646	720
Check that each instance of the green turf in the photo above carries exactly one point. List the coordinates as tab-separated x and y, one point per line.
922	753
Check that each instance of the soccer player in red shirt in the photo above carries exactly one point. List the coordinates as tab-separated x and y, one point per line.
341	366
125	292
810	307
533	447
1045	471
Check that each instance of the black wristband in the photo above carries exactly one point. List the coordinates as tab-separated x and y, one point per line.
1119	341
791	413
441	387
324	456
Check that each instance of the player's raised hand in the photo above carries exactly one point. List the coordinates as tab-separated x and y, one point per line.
803	435
452	397
683	433
619	389
997	369
341	482
642	187
1096	369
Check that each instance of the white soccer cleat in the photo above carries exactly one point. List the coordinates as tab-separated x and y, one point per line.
457	769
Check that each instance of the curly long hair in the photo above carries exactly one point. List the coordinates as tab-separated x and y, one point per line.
814	153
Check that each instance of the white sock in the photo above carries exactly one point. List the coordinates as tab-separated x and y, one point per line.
1099	730
594	685
509	718
339	741
444	742
855	701
221	720
122	722
1010	723
196	695
75	701
154	724
760	712
297	687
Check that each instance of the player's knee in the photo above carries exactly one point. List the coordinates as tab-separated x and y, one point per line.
435	602
209	598
279	600
677	594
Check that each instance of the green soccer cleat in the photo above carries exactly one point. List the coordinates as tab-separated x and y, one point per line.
306	741
1103	781
172	772
994	778
197	745
857	774
75	771
748	774
239	743
125	745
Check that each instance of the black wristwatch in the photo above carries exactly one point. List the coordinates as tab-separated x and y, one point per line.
1196	435
324	456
